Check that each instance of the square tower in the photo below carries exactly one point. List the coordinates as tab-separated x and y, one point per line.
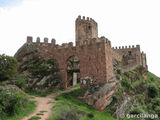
86	29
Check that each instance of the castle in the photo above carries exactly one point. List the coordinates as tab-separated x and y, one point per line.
91	60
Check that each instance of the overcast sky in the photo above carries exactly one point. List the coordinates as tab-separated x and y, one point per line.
123	22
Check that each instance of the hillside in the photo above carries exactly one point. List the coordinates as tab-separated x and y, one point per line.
129	92
139	93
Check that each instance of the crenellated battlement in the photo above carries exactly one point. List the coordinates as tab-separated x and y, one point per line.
46	43
29	39
85	19
126	47
86	29
93	41
38	41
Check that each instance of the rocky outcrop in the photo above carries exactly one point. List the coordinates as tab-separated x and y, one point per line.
119	108
45	83
26	49
14	87
42	74
100	95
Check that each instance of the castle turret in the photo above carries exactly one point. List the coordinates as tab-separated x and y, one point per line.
86	29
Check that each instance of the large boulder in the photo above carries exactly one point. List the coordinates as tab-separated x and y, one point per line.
100	95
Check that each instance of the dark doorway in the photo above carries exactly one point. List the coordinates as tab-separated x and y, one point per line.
73	71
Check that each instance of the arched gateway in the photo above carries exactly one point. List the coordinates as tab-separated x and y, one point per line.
73	70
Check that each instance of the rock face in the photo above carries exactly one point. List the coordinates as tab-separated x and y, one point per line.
45	83
100	95
120	107
15	88
43	74
26	49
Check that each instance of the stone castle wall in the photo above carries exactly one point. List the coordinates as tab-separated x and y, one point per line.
95	54
93	62
132	55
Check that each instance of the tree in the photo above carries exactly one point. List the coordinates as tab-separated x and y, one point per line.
8	67
43	68
153	91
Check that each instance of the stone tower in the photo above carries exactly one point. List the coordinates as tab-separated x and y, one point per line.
86	29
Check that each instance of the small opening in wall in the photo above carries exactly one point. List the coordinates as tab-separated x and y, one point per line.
130	53
89	27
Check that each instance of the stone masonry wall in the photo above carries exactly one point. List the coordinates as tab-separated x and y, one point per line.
86	29
93	62
116	56
134	55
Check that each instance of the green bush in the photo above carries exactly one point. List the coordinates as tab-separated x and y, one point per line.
136	110
117	96
43	68
118	76
126	83
8	67
153	91
154	106
155	102
20	81
81	107
157	110
140	69
90	115
119	71
11	102
68	113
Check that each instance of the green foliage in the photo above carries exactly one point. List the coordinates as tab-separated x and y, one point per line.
157	110
20	80
119	71
44	94
43	111
126	83
8	67
39	114
11	102
136	110
118	76
154	106
136	83
68	113
28	109
140	70
43	68
90	115
140	98
35	118
152	78
144	93
31	59
118	95
71	98
153	91
76	86
155	102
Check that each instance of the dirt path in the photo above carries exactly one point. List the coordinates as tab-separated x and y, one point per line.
44	105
